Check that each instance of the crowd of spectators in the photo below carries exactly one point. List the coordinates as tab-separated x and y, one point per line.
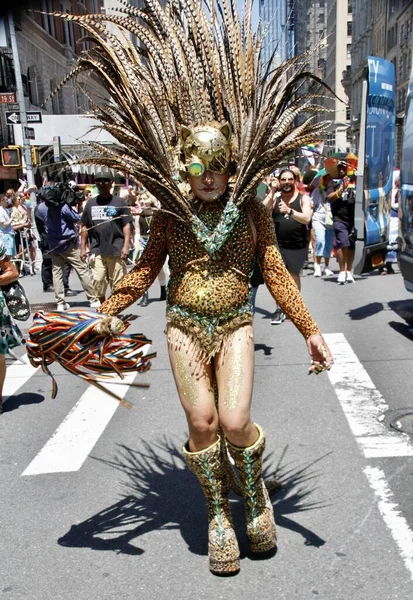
108	228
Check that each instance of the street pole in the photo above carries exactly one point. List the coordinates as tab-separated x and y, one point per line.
23	116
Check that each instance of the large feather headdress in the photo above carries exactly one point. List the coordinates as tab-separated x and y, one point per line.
193	62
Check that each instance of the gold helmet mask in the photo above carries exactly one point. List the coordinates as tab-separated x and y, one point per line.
206	148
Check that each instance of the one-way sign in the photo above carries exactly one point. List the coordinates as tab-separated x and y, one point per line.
13	117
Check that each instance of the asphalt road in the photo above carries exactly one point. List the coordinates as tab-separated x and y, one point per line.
100	506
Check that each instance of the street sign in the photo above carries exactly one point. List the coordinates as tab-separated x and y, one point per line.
29	133
13	117
9	98
57	149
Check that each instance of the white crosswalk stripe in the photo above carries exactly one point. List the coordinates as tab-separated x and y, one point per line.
362	403
17	375
75	437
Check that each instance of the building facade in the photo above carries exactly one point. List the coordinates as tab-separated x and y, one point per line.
338	61
47	49
275	18
383	28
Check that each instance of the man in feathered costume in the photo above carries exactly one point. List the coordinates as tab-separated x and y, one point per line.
192	98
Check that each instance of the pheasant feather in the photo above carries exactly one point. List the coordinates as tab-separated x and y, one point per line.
192	62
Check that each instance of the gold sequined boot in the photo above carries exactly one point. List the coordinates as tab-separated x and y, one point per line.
223	548
259	512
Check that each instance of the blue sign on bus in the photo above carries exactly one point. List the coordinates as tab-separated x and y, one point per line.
380	144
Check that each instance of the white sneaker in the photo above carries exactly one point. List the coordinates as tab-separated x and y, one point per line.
341	279
62	306
328	273
317	270
349	277
95	304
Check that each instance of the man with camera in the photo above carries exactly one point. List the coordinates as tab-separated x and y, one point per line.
60	219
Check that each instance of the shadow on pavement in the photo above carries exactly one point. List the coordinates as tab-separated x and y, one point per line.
160	493
18	400
403	308
366	311
403	329
261	311
266	349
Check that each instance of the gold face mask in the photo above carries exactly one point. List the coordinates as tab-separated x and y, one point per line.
206	148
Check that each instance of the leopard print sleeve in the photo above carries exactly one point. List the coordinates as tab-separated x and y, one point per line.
141	277
278	280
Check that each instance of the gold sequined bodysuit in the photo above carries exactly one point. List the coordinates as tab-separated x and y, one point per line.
209	296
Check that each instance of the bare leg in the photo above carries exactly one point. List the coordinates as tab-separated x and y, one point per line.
195	385
342	258
296	279
234	370
350	259
2	378
203	455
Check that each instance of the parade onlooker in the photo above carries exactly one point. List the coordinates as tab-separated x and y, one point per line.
60	221
142	230
106	228
322	223
291	215
273	185
46	268
20	223
10	335
6	227
342	199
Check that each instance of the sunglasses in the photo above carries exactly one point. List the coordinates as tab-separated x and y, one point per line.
102	181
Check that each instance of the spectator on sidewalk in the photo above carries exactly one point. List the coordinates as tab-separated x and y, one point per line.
60	221
6	227
322	223
106	229
10	334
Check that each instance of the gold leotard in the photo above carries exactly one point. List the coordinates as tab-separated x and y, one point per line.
209	296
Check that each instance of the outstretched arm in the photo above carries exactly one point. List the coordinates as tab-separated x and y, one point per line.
141	277
278	280
284	290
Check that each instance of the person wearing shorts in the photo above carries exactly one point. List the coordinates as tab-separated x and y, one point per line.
322	223
342	199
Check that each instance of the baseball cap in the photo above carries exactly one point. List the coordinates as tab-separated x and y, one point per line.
104	174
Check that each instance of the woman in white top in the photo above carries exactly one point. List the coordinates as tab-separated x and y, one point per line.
322	222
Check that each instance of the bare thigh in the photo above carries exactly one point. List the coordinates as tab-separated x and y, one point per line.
195	384
234	372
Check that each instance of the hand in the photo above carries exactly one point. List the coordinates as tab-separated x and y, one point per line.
83	254
274	184
111	326
321	359
124	253
284	208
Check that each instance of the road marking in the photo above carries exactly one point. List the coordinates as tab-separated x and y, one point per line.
75	437
399	528
16	376
362	403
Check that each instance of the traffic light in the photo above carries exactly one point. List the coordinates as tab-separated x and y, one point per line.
11	157
35	155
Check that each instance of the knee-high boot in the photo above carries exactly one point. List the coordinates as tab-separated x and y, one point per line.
223	548
259	512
